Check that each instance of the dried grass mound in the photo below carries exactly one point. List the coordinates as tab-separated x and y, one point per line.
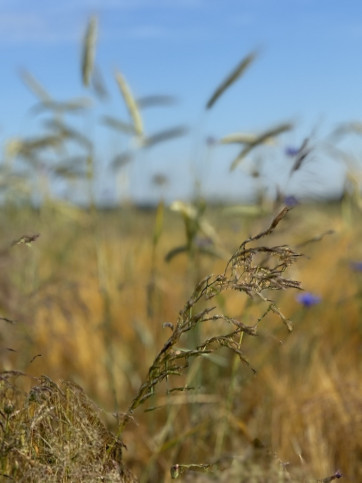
53	432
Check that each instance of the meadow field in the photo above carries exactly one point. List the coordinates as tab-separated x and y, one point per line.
188	340
94	299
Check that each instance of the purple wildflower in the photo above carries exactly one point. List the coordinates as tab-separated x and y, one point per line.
291	151
291	201
356	266
335	476
338	474
308	299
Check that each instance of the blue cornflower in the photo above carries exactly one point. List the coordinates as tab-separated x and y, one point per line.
308	299
356	266
291	201
291	151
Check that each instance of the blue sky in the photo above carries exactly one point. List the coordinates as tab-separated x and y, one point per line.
309	71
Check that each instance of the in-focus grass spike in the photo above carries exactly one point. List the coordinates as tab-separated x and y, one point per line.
231	78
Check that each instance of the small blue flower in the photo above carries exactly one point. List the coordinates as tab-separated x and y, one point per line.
291	151
308	299
356	266
291	201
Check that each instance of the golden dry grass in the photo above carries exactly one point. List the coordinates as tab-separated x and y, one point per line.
81	298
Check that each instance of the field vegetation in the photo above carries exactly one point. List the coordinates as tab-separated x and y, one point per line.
196	341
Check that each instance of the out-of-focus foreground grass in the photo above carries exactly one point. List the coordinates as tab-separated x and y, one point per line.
90	298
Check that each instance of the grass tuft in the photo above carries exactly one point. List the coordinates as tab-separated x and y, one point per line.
53	432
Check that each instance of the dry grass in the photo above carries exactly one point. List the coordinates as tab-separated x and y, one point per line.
53	432
297	418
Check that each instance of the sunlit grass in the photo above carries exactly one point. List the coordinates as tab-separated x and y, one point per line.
299	415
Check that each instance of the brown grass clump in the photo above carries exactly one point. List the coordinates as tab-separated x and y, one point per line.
53	432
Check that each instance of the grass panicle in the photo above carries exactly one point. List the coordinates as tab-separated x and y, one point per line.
242	274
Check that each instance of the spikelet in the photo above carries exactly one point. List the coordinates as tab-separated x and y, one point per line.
270	133
242	138
88	56
130	103
231	78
